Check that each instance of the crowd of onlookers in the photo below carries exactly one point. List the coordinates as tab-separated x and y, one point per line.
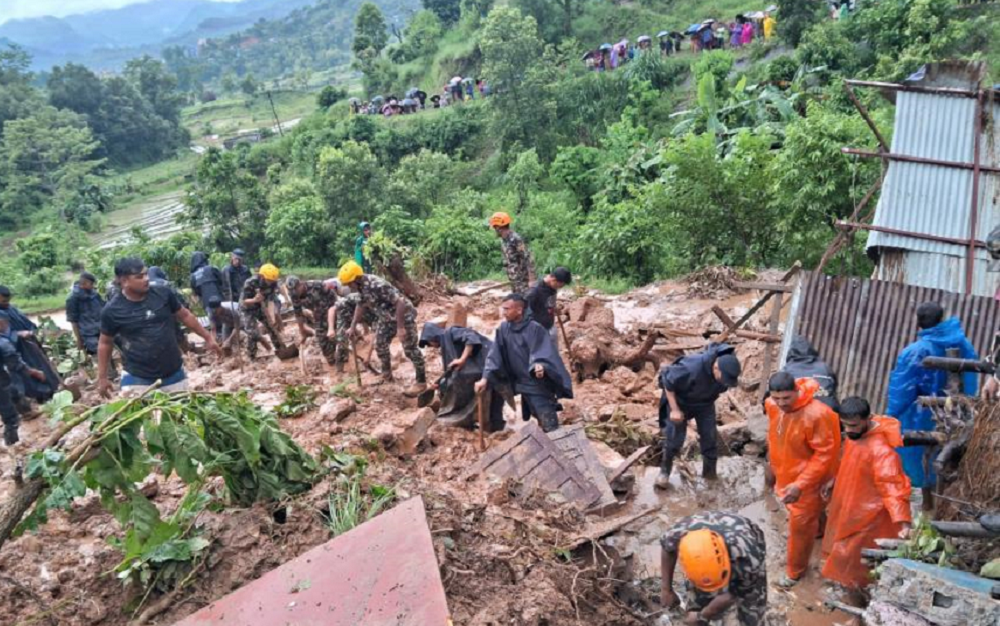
710	34
456	90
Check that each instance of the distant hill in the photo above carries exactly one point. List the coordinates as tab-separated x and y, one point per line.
106	39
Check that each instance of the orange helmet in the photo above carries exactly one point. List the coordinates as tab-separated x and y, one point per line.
705	559
499	220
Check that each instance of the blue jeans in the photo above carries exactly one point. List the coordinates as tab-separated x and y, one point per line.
129	380
675	434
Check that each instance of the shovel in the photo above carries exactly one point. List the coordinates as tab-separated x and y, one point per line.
286	353
481	414
427	395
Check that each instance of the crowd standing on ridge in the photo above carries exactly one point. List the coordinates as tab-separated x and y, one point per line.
841	472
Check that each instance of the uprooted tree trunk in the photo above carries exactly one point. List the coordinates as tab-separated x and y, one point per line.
395	271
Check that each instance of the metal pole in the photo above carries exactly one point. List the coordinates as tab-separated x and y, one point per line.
906	233
864	113
945	91
970	259
274	112
892	156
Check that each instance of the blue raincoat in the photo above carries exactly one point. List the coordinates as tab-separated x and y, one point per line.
910	380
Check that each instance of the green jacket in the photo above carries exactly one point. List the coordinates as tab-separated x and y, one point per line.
359	254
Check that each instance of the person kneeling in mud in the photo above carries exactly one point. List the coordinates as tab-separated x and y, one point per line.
258	291
524	357
724	560
463	358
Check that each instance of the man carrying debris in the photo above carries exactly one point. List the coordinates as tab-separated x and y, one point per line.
724	560
206	283
83	312
871	496
463	359
524	357
803	439
910	380
691	385
144	316
258	292
312	301
395	315
235	276
11	365
542	300
516	258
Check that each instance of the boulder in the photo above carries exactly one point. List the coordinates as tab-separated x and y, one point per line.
337	409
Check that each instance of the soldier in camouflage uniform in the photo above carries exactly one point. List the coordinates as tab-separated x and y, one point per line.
745	579
516	258
257	292
393	312
318	298
345	308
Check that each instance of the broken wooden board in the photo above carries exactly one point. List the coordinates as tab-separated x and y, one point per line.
382	573
629	462
531	458
572	441
605	528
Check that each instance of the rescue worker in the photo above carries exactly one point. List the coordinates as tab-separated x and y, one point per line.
19	322
516	258
803	361
871	495
542	300
21	333
360	257
340	319
11	365
691	385
803	439
312	301
235	275
463	359
524	358
394	314
83	312
258	291
144	315
206	284
723	558
910	380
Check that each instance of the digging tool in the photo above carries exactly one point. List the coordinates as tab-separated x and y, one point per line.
357	363
427	395
569	353
481	414
302	360
286	353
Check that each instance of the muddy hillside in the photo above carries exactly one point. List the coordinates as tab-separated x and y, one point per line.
507	555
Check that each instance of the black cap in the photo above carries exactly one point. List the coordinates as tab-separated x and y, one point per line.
730	368
239	252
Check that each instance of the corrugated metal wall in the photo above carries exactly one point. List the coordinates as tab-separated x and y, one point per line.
860	326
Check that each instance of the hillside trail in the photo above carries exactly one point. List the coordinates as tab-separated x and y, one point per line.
496	547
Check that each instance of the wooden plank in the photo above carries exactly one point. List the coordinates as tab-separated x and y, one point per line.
768	349
764	286
626	464
530	457
605	528
760	303
572	441
722	315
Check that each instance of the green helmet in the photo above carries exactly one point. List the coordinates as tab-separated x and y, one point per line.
363	225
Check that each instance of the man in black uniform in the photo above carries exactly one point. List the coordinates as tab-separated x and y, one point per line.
691	385
144	316
542	300
11	365
463	358
83	311
234	276
524	357
206	283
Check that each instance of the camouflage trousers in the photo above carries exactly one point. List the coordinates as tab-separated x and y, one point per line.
750	610
326	345
518	281
251	331
345	314
385	330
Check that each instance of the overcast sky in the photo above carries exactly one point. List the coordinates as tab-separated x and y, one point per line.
11	9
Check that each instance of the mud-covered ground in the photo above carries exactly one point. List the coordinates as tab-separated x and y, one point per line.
497	547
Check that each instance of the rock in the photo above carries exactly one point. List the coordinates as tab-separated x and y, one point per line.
457	316
634	412
939	595
93	610
757	426
337	410
884	614
622	378
422	421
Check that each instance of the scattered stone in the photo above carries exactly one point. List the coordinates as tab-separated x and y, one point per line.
337	410
410	439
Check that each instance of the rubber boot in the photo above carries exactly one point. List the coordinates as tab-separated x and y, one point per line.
666	466
548	422
708	471
415	389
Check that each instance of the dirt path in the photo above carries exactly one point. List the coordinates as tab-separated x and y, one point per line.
484	532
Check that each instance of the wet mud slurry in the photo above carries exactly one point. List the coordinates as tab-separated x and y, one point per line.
497	547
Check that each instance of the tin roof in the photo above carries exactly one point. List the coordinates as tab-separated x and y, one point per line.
382	573
933	199
860	326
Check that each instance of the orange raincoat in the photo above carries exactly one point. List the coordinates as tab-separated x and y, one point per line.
870	500
804	449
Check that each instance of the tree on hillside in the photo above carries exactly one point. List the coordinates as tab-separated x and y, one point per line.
369	26
17	97
448	11
796	16
230	201
350	182
156	85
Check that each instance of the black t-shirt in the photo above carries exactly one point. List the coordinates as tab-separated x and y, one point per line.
542	302
147	332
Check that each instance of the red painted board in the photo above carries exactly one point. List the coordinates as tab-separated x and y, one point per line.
382	573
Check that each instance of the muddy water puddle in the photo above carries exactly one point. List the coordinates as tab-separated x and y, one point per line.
740	489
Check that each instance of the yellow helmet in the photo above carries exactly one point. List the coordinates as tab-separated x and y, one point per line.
704	558
349	273
270	272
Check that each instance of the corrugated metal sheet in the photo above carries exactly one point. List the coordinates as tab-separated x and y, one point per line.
860	326
933	199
